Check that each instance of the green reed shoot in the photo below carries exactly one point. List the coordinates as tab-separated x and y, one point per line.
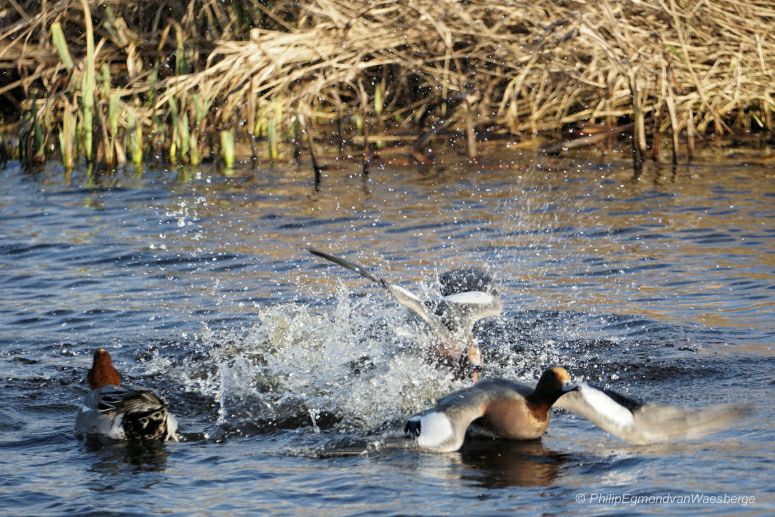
185	137
88	86
58	38
271	138
200	107
227	148
181	63
67	137
135	130
175	140
273	129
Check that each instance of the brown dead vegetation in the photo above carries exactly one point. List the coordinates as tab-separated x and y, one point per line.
168	76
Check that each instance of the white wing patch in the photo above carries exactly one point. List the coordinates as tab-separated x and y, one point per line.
470	298
617	414
172	428
404	294
411	302
435	429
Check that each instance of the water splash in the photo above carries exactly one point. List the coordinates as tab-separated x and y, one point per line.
357	367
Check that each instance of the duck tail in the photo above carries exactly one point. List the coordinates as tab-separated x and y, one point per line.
147	418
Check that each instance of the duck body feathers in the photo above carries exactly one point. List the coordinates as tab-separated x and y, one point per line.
125	413
505	409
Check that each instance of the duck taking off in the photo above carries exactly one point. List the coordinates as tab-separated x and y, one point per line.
121	413
516	411
467	296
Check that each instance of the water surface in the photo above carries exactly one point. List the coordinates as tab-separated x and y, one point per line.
292	379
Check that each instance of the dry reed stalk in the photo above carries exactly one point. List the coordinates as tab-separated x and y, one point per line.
251	118
670	101
470	131
690	136
364	99
656	141
317	171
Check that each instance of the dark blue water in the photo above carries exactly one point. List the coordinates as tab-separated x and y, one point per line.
291	379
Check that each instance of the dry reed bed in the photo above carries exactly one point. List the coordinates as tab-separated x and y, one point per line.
166	81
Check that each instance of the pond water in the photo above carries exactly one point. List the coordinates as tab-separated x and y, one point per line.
291	378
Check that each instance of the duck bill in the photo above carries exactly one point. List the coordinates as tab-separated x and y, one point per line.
567	387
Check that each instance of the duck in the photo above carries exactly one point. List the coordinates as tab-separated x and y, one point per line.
467	296
516	411
506	409
118	412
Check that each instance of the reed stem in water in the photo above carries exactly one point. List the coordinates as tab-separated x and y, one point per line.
227	148
88	86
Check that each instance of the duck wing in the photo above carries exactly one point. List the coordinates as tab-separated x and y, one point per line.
401	295
640	424
460	311
121	413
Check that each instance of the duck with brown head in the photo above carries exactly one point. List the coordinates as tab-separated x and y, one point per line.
506	409
121	413
517	411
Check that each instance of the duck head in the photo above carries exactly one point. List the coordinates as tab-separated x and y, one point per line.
102	371
553	384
